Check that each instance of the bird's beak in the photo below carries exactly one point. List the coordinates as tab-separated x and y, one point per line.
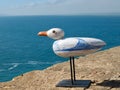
44	33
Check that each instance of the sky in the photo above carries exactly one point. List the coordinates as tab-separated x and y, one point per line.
59	7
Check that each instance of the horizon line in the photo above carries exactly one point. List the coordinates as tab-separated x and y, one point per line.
66	15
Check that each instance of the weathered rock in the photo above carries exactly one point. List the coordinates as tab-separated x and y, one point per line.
102	68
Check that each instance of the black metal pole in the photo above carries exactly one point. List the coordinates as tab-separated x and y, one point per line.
74	76
71	69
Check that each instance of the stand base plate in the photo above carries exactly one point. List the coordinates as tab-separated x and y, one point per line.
76	83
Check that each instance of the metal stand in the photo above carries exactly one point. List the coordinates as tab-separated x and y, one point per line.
72	67
73	82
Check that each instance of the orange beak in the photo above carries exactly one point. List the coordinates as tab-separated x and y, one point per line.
42	33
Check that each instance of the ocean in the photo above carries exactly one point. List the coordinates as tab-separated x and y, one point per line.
21	50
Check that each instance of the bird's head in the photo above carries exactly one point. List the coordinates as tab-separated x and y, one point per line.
54	33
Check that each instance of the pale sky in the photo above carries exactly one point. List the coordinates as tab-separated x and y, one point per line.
59	7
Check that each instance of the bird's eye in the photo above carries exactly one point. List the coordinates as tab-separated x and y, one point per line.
54	31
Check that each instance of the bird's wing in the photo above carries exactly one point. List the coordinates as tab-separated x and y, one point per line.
69	44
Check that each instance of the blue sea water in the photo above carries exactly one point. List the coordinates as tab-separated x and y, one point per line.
21	50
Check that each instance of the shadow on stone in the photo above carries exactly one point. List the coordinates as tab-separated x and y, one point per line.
110	83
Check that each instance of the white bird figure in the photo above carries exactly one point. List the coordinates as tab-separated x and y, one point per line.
71	47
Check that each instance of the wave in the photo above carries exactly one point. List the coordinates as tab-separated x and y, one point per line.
1	70
14	65
42	63
11	66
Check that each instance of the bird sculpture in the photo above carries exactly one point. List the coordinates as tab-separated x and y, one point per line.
72	47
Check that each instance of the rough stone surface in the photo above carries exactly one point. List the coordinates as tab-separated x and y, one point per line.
102	68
